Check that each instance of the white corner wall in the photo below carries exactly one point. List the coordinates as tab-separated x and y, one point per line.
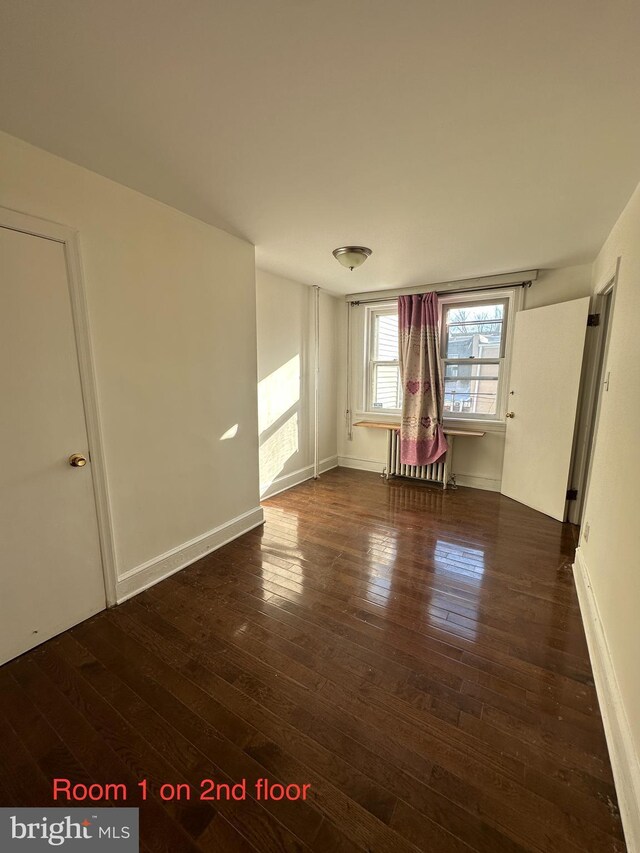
608	561
476	462
172	310
285	322
559	285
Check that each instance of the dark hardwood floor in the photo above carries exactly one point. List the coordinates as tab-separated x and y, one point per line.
416	657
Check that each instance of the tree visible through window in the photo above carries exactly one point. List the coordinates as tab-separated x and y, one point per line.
473	348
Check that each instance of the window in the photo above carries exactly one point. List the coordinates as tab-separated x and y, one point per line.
473	349
383	374
475	345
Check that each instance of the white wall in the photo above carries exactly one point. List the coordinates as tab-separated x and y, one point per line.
610	555
172	309
286	381
477	462
558	285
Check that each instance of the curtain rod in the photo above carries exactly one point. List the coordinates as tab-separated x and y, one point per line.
442	292
523	278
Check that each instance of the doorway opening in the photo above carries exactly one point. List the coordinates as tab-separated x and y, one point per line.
594	384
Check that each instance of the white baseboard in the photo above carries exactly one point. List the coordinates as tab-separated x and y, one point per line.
288	481
361	464
625	761
473	482
142	577
328	463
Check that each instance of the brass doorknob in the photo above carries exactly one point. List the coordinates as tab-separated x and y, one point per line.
510	415
77	460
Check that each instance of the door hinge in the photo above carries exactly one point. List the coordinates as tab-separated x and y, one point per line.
593	320
572	494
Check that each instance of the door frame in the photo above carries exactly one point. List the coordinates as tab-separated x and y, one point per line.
70	240
590	394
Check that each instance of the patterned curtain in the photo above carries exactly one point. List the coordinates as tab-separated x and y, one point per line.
422	439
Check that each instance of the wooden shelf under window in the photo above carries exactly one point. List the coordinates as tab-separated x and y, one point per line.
447	430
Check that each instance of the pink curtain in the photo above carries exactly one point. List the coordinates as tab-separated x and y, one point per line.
422	439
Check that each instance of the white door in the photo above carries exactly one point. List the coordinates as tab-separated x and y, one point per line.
50	567
545	380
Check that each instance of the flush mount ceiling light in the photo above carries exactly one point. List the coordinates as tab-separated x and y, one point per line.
351	256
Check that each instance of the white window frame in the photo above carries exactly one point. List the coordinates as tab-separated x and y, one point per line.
512	298
373	311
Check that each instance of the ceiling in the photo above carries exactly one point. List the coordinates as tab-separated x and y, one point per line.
455	138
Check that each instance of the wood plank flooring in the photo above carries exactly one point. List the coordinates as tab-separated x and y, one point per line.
417	657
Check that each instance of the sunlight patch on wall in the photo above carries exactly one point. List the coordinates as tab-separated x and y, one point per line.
278	392
230	433
276	450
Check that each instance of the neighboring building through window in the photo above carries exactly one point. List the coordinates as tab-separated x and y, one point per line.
473	336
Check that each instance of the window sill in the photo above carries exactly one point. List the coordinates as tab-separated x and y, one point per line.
453	423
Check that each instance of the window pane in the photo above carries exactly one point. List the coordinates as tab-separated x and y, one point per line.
467	371
471	388
474	331
386	386
386	338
